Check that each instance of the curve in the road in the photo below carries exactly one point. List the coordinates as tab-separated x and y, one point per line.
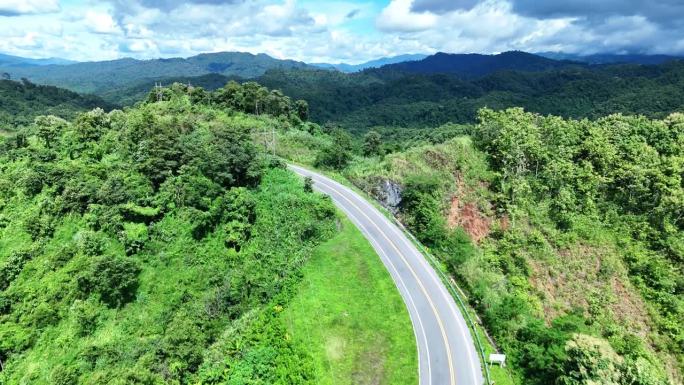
446	351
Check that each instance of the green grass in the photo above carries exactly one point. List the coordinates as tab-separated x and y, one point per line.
351	317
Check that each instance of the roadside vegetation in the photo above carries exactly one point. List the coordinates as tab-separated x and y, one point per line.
162	243
565	234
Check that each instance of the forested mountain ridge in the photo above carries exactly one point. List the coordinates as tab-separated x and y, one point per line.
607	58
129	94
473	65
18	61
344	67
92	77
393	98
21	101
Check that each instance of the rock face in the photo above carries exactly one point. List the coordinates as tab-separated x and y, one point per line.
389	195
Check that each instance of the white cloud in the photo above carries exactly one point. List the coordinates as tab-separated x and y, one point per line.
101	22
315	30
398	17
27	7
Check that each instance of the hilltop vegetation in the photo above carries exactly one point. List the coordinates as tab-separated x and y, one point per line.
21	101
161	245
566	234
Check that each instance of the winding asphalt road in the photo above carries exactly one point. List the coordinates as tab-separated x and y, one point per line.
446	351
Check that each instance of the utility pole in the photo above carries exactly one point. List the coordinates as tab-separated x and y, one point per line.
268	142
273	142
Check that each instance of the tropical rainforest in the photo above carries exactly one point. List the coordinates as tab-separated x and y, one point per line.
162	243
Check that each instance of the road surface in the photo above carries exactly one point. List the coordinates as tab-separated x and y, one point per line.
446	351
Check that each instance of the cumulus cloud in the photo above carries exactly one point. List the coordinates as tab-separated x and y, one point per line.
399	17
336	30
664	12
27	7
661	12
101	22
576	26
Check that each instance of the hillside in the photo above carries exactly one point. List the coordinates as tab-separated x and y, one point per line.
94	77
565	234
161	244
22	101
607	58
129	94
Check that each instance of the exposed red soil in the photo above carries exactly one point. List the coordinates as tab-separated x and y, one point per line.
467	215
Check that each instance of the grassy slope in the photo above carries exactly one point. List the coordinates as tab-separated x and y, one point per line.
350	316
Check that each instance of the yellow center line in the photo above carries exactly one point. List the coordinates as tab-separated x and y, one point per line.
415	275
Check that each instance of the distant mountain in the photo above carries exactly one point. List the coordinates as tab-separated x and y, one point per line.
349	68
17	61
477	65
607	58
95	77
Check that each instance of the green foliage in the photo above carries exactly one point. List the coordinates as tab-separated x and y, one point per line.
387	97
422	209
49	128
113	278
575	225
371	143
338	153
23	101
133	243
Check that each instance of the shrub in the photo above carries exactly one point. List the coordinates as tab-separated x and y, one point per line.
114	279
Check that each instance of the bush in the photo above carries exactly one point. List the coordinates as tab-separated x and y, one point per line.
134	237
114	279
13	266
338	154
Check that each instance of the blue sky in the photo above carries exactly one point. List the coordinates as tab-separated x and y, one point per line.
333	31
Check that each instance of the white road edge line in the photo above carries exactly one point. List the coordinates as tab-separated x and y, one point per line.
432	274
386	258
384	255
403	257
